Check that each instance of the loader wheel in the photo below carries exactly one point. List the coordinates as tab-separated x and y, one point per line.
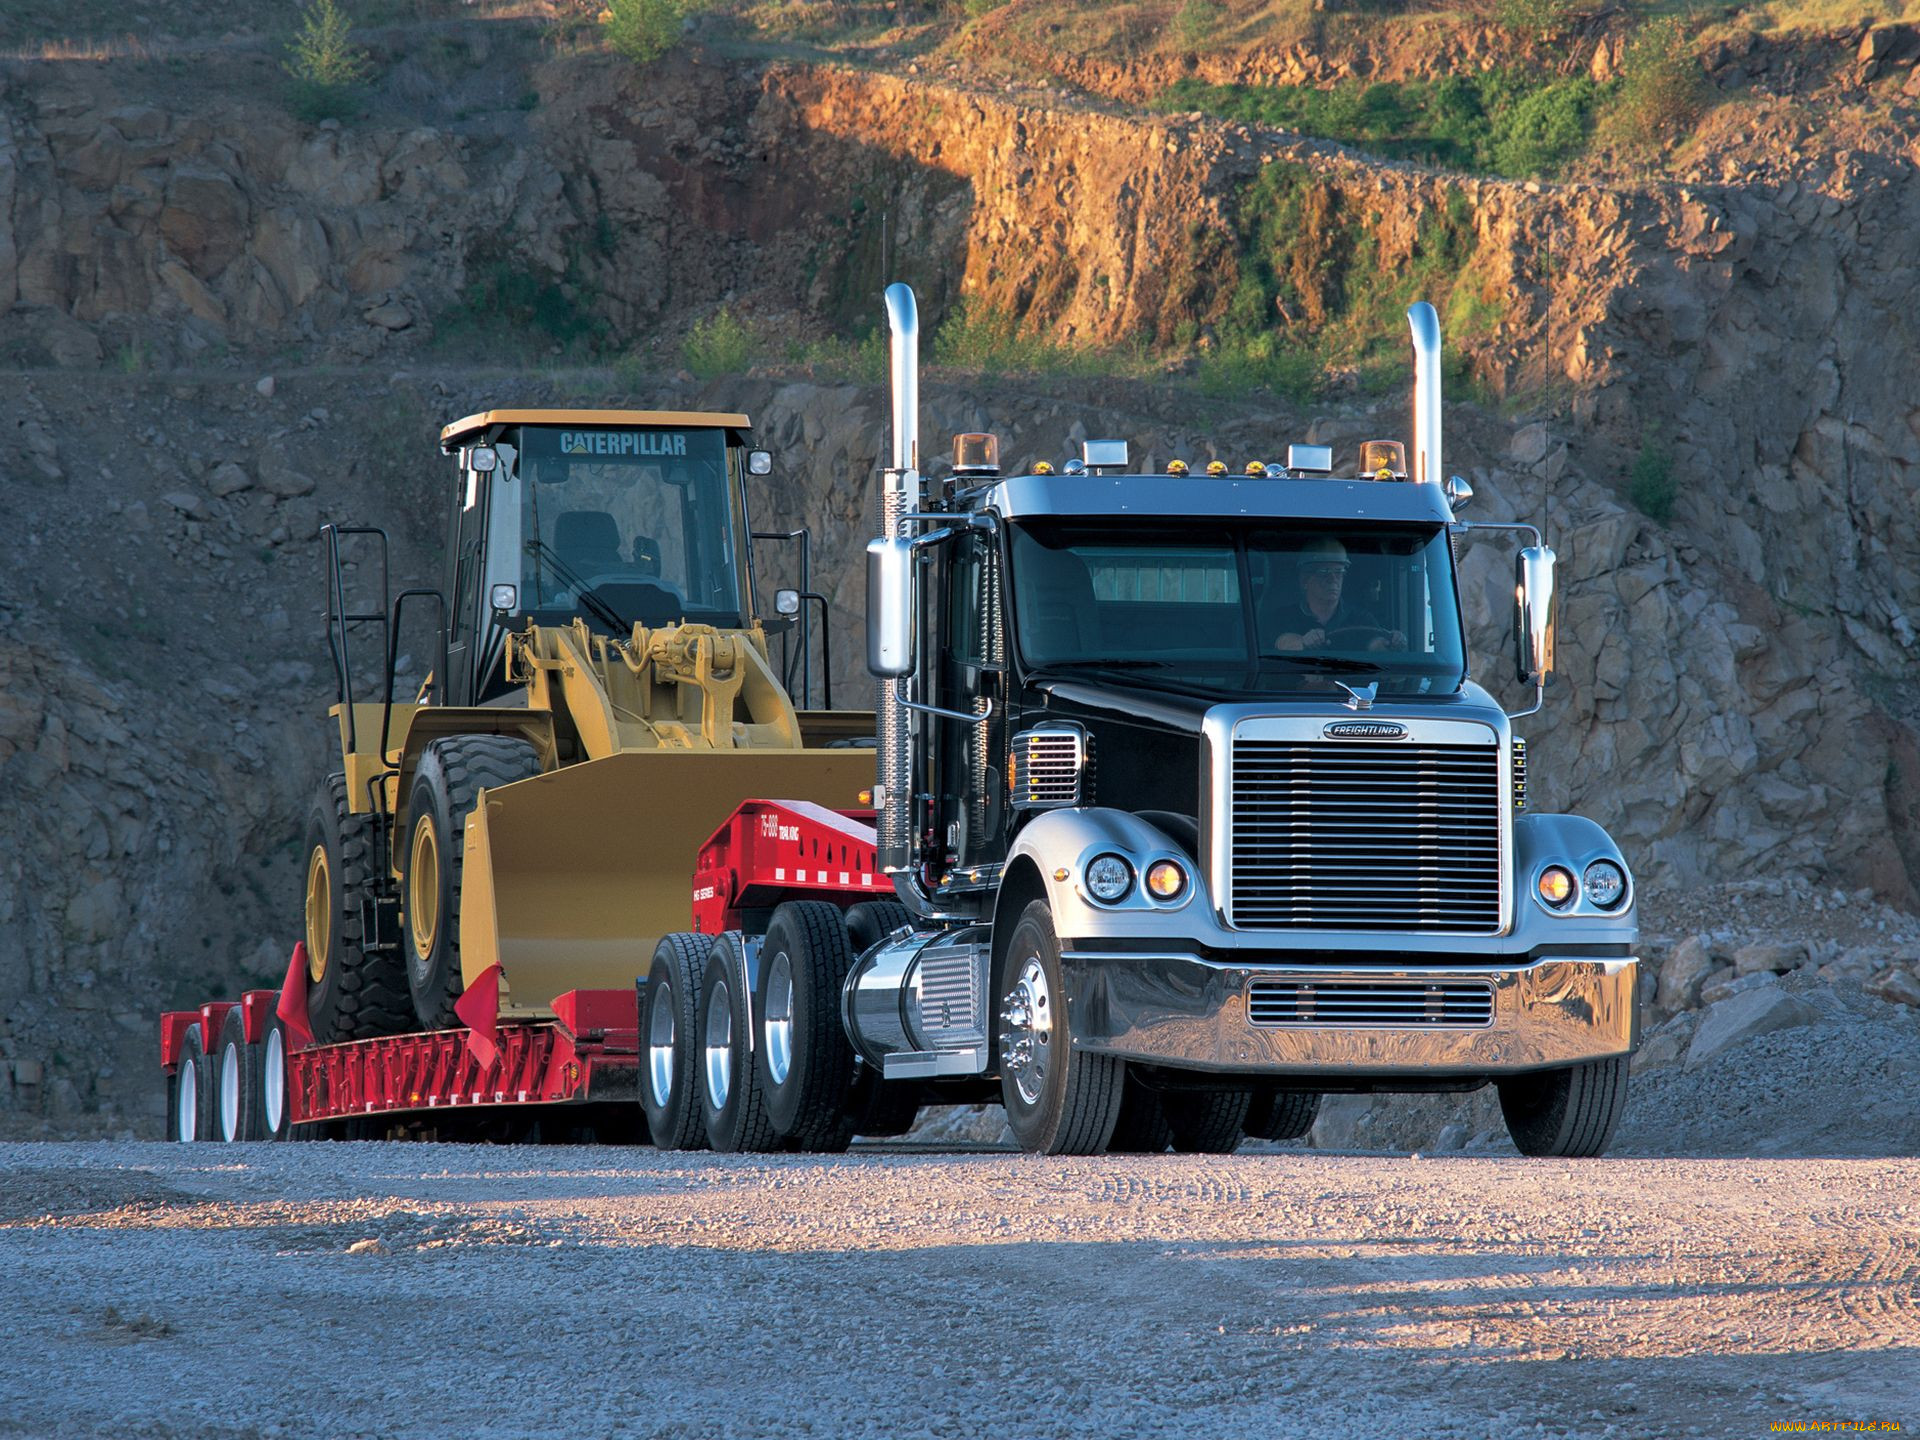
276	1083
1282	1114
1206	1122
804	1062
351	994
1142	1128
446	787
871	921
190	1102
1570	1112
1060	1101
238	1066
670	1077
731	1105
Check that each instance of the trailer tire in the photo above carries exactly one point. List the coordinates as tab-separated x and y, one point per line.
1060	1101
1206	1122
446	787
1282	1114
871	921
352	994
190	1092
670	1058
1569	1113
237	1065
276	1083
803	1058
731	1105
1141	1128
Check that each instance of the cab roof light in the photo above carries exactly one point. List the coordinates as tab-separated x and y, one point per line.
1176	467
976	454
1216	468
1310	459
1101	456
1383	460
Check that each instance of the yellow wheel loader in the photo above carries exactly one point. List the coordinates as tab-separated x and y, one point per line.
604	696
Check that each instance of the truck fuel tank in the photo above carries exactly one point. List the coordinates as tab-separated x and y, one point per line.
915	1005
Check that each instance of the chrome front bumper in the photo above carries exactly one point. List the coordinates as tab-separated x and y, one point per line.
1192	1013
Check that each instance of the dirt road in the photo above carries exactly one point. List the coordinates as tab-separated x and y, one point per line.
156	1290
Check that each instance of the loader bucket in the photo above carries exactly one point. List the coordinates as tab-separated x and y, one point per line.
571	878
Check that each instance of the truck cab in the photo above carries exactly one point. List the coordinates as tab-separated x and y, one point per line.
1198	808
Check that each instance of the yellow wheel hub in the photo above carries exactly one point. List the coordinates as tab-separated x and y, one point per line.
423	889
319	913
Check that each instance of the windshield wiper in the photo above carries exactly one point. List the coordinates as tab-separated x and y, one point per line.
1328	664
602	611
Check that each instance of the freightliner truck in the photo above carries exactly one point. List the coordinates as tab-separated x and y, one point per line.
1197	813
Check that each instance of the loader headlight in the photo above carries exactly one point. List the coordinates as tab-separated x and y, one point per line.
1109	878
1556	886
1605	883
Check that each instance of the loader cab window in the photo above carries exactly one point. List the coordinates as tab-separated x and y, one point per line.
625	526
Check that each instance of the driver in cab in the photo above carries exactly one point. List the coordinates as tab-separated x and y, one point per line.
1322	613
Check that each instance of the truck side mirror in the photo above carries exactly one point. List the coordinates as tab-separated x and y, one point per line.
889	608
1533	613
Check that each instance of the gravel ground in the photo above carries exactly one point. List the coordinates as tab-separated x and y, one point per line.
374	1289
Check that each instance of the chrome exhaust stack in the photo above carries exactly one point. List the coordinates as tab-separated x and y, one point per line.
1425	324
899	495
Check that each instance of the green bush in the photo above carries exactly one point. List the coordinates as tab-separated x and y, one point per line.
719	345
325	64
1661	87
644	30
1650	483
1541	132
1534	17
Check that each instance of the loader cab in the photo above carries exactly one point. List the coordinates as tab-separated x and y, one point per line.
612	517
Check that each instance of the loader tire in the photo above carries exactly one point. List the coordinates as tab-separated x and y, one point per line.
351	994
731	1105
1569	1113
670	1059
237	1065
802	1055
1060	1101
1206	1122
1142	1128
446	787
1282	1114
871	921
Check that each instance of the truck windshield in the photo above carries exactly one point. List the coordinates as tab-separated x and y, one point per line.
628	525
1268	607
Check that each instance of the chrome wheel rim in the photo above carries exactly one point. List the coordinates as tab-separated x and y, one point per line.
1026	1050
660	1029
229	1093
186	1125
779	1029
719	1047
273	1082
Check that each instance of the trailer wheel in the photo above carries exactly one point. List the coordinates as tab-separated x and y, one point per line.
446	786
1142	1128
1206	1122
238	1068
190	1101
1060	1101
803	1059
871	921
670	1070
731	1105
1281	1114
276	1083
351	994
1570	1112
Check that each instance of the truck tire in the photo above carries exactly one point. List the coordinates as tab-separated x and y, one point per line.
1206	1122
871	921
670	1068
732	1108
276	1083
351	994
882	1109
1569	1113
238	1066
190	1096
1142	1127
803	1058
1060	1101
1282	1114
446	787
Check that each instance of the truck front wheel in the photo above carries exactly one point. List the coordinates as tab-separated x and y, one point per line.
1059	1101
1567	1113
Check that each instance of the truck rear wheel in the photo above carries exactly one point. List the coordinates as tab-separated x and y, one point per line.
731	1105
882	1109
446	787
670	1077
351	994
1206	1122
190	1101
803	1059
1142	1127
1282	1114
1569	1113
239	1071
871	921
1060	1101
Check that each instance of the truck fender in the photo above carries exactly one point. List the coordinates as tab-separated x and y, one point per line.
1570	840
1057	845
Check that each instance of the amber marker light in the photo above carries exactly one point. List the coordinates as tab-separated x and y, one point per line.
1556	885
866	797
1166	880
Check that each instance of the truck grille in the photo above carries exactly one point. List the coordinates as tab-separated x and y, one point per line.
1365	836
1349	1004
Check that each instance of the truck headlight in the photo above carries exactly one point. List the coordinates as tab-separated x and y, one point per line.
1604	882
1166	880
1109	878
1556	886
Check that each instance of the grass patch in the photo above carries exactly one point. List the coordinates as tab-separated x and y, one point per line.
863	360
326	67
1650	483
644	30
1507	122
1537	18
509	308
990	343
720	344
